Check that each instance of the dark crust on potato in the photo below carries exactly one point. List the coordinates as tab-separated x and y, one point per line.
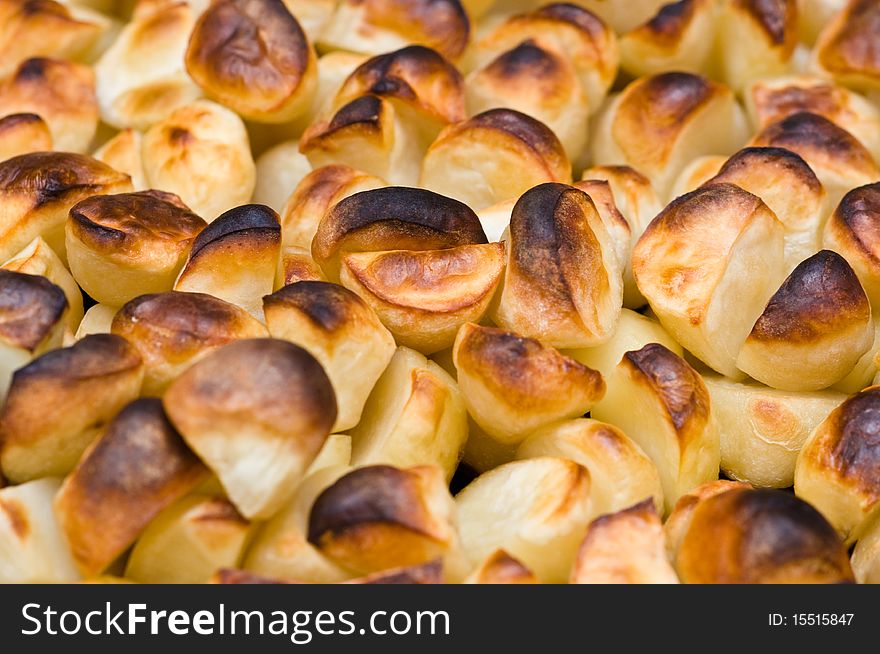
328	306
852	47
849	443
377	494
30	307
761	535
95	355
669	23
136	468
248	221
246	48
821	296
180	323
806	133
114	222
522	369
678	385
859	213
748	158
49	176
414	74
397	218
535	134
777	18
266	379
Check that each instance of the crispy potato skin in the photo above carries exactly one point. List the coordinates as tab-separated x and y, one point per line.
761	536
137	467
30	306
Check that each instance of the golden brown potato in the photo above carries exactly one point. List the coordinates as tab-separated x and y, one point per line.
23	134
386	114
555	64
297	265
579	36
658	124
866	555
675	38
538	82
126	245
678	521
426	88
852	232
789	188
337	328
536	510
86	384
392	218
61	92
25	28
200	151
33	313
32	547
368	134
660	402
123	153
136	467
173	330
425	297
494	156
141	77
513	385
414	416
39	259
813	331
839	159
501	568
771	100
621	474
188	541
846	47
235	258
379	517
253	57
756	39
634	331
375	26
257	412
760	536
626	547
38	189
708	264
563	283
315	195
838	469
281	550
763	429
